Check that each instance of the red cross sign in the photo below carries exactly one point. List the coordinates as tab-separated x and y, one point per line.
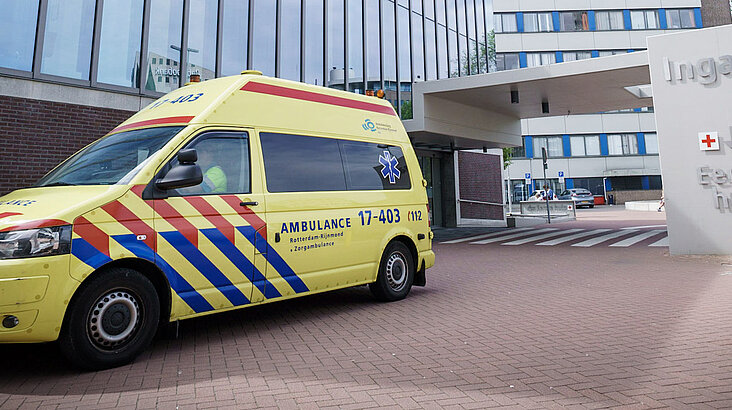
709	141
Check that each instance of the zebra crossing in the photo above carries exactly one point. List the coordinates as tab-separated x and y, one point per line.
576	237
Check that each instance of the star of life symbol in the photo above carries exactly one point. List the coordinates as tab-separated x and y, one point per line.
390	167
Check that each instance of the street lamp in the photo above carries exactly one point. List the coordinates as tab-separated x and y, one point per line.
189	51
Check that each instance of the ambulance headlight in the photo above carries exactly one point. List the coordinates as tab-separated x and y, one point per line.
30	243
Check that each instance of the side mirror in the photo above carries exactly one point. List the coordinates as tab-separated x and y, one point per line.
186	174
187	156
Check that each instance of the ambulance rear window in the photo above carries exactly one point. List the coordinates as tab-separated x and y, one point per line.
374	167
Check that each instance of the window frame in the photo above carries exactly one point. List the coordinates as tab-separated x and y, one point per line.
607	13
581	13
626	141
551	58
654	137
645	14
584	138
576	53
29	73
500	22
677	12
201	135
545	138
550	21
502	65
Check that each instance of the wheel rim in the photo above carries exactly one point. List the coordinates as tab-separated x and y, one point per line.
114	319
397	271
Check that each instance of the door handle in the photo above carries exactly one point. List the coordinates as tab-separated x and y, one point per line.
249	203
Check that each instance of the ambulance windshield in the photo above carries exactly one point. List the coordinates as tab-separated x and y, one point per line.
114	159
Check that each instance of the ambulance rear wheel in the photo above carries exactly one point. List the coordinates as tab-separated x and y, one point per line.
396	273
112	319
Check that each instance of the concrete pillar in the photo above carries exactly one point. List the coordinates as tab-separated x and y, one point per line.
716	12
449	181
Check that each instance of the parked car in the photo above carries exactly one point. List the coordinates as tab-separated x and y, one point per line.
580	196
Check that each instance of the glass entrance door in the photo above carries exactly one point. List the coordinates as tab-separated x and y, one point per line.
431	172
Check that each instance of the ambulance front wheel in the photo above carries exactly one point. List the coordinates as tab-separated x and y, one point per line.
396	273
111	320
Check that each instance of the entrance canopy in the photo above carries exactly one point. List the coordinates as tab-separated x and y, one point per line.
484	111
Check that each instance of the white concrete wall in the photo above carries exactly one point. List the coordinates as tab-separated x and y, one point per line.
37	90
587	167
552	5
630	122
698	221
575	41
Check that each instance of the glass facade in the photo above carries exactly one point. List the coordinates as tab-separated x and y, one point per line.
17	33
67	38
154	46
119	49
164	46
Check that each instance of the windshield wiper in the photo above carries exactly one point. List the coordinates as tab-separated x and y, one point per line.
52	184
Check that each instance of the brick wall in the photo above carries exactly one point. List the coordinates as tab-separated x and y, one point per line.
480	180
37	135
622	197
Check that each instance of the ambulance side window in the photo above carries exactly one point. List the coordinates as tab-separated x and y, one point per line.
224	161
299	163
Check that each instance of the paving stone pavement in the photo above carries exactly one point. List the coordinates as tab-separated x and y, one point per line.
524	327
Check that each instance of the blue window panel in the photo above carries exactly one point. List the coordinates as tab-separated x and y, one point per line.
641	143
637	110
520	22
522	60
555	20
608	185
529	146
626	20
591	20
566	146
646	182
604	151
569	183
560	57
595	53
662	18
698	18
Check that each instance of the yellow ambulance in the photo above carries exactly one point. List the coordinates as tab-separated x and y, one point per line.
234	192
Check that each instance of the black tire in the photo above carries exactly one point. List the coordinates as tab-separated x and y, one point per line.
112	319
592	206
396	273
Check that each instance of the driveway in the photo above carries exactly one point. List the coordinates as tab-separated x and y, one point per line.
497	325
